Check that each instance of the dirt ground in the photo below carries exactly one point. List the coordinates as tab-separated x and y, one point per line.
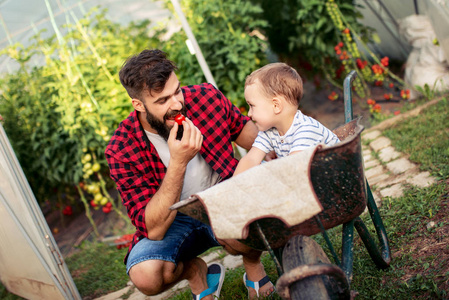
431	250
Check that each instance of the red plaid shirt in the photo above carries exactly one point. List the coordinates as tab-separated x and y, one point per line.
138	170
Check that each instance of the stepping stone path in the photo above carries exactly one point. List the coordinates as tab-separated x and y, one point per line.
386	170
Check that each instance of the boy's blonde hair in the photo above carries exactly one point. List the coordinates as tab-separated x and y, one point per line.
278	79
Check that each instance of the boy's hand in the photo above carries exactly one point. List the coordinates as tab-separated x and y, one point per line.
270	156
182	151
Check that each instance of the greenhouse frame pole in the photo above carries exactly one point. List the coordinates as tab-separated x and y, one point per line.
191	37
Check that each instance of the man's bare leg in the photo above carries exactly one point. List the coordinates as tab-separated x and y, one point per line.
152	277
253	266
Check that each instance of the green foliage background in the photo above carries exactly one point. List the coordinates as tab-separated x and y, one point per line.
224	31
68	107
303	34
60	115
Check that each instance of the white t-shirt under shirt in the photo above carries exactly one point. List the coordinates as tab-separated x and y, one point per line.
199	175
304	132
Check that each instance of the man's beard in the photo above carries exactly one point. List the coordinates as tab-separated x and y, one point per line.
162	129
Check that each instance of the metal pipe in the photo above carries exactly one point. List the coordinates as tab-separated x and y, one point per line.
327	240
191	37
405	51
347	257
270	250
347	91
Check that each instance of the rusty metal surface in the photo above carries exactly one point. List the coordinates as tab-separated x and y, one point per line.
193	208
338	179
304	271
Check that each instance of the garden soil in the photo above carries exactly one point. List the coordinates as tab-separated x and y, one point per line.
426	247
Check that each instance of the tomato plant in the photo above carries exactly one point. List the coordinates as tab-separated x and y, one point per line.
228	33
60	115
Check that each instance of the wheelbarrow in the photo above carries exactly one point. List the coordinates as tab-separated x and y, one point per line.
338	180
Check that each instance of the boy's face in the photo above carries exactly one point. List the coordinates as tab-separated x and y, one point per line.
261	109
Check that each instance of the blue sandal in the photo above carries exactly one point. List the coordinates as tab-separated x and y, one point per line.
215	278
256	285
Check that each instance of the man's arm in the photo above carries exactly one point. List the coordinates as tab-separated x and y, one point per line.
158	216
253	158
247	135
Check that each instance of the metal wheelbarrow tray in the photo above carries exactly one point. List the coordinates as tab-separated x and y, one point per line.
338	180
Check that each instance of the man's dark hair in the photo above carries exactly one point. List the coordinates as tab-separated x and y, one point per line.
150	69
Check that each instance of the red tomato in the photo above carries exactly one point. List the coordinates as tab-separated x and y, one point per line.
67	210
179	119
106	210
92	203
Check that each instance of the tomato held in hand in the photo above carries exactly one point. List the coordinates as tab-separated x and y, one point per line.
179	119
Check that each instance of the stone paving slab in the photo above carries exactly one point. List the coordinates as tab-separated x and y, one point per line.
401	178
393	191
366	151
388	154
370	174
115	295
377	179
368	158
372	163
423	179
371	135
400	165
380	143
232	262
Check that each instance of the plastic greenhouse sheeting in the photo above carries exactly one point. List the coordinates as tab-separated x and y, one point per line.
31	264
385	16
21	19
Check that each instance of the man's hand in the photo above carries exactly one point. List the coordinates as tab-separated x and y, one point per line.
158	216
182	151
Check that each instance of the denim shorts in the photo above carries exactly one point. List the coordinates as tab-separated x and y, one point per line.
185	239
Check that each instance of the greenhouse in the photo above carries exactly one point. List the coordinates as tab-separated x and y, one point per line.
62	100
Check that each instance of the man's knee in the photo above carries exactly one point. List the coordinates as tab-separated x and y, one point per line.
150	277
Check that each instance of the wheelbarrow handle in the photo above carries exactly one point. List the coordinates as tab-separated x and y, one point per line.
347	88
309	270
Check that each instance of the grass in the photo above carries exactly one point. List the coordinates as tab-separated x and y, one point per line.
419	269
425	138
412	275
98	269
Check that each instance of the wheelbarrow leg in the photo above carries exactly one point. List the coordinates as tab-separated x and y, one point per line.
382	256
347	258
274	253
